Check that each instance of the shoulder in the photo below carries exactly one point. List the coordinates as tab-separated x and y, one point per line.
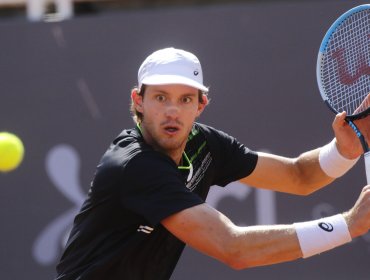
207	129
125	147
211	131
227	149
127	158
215	137
150	161
129	151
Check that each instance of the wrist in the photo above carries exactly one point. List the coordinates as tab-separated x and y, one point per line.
322	235
332	162
346	151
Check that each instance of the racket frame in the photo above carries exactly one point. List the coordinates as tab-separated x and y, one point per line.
322	49
349	118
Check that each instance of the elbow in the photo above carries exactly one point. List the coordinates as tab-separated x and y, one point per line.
237	266
235	262
305	190
234	258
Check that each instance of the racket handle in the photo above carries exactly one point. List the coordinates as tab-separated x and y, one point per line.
367	166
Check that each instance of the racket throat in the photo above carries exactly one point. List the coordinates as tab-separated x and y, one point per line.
360	136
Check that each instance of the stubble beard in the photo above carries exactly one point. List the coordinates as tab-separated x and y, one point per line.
170	145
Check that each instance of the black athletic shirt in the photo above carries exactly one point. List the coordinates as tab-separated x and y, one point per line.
117	233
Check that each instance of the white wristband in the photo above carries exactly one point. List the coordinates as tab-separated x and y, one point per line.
332	162
322	235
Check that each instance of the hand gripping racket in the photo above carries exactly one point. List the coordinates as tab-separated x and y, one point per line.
343	69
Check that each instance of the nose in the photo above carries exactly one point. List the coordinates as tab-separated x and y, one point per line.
172	111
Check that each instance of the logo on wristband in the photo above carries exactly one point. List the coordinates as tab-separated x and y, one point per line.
326	226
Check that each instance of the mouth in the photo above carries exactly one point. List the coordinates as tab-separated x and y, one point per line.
171	129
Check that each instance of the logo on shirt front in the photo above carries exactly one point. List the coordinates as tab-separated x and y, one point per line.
190	175
195	178
145	229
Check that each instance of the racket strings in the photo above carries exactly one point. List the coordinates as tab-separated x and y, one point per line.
345	70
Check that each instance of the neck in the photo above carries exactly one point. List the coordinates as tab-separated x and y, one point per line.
175	154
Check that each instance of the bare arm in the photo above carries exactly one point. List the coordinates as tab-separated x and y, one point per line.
301	175
212	233
358	217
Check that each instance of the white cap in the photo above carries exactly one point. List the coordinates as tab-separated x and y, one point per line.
171	66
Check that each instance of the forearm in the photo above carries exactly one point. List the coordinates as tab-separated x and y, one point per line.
263	245
212	233
302	175
310	173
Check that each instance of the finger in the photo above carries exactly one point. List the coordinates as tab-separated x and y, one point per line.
366	188
340	119
364	104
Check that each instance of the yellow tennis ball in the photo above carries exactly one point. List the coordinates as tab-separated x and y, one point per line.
11	151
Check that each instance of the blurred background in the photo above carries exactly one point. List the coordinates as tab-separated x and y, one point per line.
66	70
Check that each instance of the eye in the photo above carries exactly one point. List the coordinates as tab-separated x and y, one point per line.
160	98
186	99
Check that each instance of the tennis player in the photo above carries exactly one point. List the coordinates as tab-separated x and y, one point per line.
147	199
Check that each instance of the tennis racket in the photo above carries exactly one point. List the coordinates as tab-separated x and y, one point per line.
343	69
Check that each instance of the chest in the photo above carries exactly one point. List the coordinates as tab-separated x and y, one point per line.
198	177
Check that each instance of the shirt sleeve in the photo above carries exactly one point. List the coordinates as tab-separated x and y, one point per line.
233	160
154	188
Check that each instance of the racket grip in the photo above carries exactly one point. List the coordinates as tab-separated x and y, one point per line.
367	166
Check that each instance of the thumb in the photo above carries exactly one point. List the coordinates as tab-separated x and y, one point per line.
340	120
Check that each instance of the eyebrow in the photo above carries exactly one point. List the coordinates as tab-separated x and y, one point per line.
167	93
160	91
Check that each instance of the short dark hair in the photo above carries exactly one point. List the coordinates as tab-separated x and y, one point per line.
138	117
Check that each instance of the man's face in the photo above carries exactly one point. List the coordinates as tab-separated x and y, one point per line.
169	112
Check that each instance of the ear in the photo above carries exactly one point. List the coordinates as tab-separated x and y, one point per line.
202	106
137	100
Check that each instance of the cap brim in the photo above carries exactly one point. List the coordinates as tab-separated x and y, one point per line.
172	79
